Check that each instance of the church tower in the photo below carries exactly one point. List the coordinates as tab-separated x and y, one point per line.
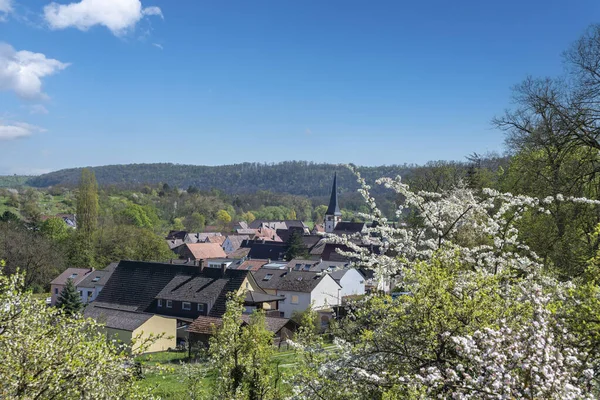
333	214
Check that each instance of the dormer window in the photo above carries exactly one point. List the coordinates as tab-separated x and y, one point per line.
267	277
73	276
96	279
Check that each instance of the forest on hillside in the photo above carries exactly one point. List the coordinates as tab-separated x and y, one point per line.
292	177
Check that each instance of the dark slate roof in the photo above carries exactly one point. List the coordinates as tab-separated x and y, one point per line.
196	289
176	235
348	227
236	240
268	250
98	277
334	208
134	285
292	281
116	319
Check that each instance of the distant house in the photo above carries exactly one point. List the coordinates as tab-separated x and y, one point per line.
265	249
350	279
180	291
279	224
200	251
58	284
252	265
218	239
94	282
70	219
190	237
203	328
174	243
301	289
349	228
233	242
126	325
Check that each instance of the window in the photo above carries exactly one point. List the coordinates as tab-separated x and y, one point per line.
294	299
267	277
169	304
73	276
281	314
96	279
80	293
55	290
200	307
186	306
159	302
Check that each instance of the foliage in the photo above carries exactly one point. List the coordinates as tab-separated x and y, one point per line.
295	246
223	217
126	242
241	355
195	222
46	354
479	319
37	256
55	228
69	300
87	204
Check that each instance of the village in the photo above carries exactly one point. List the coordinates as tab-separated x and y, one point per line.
182	300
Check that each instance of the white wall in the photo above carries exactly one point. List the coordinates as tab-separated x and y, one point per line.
288	308
85	290
326	293
351	283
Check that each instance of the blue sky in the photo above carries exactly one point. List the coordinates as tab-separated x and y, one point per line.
219	82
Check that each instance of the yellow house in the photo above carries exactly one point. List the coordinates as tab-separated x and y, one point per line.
150	333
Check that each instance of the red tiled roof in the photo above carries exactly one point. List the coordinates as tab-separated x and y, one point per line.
203	251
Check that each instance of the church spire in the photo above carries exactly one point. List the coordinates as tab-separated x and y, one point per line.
334	208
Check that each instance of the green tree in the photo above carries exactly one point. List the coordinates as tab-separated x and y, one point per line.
47	354
223	217
248	217
136	215
87	204
296	247
55	229
126	242
195	222
319	214
69	299
177	224
242	354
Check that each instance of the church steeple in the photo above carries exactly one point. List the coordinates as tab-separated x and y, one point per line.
333	214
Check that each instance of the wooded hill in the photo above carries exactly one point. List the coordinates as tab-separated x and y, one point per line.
293	177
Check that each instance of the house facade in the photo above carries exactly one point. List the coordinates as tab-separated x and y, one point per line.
58	284
300	289
92	284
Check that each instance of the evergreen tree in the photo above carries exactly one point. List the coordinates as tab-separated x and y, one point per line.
69	299
296	248
87	204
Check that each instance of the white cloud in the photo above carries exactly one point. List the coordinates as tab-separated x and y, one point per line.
117	15
22	71
153	11
18	130
37	109
159	46
5	9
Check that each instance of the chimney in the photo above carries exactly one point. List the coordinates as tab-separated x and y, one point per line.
201	264
223	268
171	261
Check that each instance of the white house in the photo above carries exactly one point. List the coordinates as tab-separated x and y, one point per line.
301	289
350	279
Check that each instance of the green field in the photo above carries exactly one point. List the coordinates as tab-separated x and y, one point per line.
163	372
